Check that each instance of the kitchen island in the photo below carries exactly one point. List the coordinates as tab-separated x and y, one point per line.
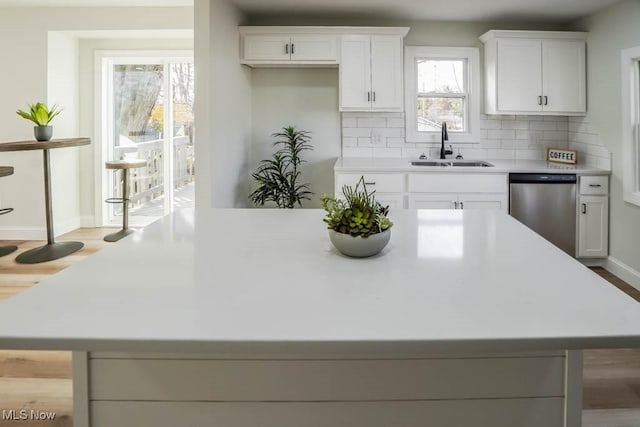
242	318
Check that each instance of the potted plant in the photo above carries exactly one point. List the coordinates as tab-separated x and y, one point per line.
41	115
359	225
279	178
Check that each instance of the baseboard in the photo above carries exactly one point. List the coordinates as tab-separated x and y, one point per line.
593	262
23	233
623	271
38	233
88	221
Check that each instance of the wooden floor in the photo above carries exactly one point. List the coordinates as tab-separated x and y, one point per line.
41	380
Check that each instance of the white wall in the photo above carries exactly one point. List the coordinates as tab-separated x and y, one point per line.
24	43
610	30
223	107
308	100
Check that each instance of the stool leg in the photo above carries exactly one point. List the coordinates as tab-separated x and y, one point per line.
114	237
125	197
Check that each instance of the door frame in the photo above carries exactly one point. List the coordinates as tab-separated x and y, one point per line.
103	109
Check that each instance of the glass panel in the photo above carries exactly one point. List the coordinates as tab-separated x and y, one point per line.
182	80
441	76
433	111
138	132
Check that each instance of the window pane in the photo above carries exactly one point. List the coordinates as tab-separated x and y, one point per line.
433	111
441	76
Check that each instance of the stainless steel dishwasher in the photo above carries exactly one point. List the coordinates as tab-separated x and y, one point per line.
546	203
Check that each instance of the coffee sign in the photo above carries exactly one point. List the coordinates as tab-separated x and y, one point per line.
560	155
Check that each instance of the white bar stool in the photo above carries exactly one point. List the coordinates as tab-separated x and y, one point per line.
124	166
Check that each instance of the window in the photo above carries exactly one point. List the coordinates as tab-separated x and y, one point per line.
442	85
631	124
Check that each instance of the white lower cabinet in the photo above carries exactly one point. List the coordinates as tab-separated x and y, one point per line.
593	221
593	217
458	201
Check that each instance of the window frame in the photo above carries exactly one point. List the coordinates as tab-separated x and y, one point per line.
630	67
472	114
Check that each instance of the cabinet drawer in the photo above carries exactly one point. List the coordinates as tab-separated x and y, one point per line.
382	183
457	183
594	185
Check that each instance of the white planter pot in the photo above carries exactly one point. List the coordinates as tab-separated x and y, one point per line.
359	247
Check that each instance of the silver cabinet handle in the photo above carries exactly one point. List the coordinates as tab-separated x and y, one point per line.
293	48
370	183
455	205
461	205
584	208
368	96
374	96
545	100
286	48
595	185
540	100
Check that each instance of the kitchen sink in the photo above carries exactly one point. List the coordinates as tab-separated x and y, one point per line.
452	163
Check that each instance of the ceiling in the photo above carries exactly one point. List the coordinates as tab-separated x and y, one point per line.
447	10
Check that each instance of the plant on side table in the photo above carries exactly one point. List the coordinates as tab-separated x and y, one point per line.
278	179
359	225
41	115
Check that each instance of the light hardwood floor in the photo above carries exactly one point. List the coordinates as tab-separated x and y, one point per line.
41	380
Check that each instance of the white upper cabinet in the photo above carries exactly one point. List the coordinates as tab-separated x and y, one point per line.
371	72
288	46
535	72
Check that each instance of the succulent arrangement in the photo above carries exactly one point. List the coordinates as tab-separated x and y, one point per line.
39	113
278	179
359	214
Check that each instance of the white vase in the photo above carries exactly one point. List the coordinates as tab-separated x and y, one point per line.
360	247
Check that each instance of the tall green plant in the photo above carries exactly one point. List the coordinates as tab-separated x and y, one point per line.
278	178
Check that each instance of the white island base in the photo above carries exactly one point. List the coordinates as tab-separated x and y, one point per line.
464	390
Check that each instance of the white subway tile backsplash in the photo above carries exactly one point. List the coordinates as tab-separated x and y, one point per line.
349	122
387	152
490	124
555	135
357	152
501	134
372	123
524	137
501	154
349	142
395	123
356	132
516	124
542	125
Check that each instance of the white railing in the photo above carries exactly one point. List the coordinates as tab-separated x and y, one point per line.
146	183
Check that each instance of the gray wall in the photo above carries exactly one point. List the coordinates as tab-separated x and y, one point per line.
223	107
610	30
308	100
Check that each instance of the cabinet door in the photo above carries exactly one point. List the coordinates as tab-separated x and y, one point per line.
564	76
266	47
386	73
519	75
593	220
484	201
314	48
355	73
433	201
394	201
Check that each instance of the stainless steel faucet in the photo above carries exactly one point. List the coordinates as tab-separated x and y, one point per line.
445	137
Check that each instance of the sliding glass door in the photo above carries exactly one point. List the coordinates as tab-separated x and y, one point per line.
149	115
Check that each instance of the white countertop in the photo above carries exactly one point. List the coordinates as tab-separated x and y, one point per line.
270	281
358	164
